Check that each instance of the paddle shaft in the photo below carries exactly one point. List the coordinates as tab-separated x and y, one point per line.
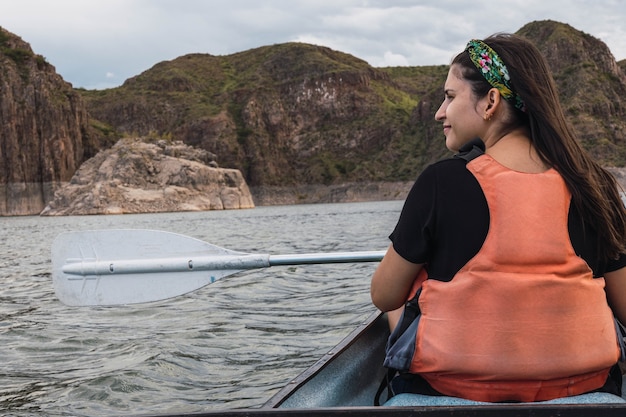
93	267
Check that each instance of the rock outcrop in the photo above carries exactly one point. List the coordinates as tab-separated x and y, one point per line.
136	176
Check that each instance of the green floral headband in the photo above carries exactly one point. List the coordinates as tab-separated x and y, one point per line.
493	69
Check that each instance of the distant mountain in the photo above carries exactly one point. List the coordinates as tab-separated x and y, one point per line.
301	114
286	115
283	114
592	86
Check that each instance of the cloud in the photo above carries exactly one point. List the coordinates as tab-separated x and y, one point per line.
393	60
85	40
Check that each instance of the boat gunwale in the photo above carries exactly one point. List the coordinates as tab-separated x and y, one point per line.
508	410
301	379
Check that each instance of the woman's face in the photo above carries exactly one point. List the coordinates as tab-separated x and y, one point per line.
462	120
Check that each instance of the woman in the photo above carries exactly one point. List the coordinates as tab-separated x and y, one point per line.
511	253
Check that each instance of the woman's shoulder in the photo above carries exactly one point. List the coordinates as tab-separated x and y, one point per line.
455	163
446	178
448	167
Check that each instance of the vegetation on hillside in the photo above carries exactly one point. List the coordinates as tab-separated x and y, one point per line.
295	113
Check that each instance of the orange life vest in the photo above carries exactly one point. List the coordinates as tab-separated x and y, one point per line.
524	319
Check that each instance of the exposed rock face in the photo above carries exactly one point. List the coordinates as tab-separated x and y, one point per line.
44	126
139	177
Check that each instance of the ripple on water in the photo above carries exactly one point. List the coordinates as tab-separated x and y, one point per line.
229	345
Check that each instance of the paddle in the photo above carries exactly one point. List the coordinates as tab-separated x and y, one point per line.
128	266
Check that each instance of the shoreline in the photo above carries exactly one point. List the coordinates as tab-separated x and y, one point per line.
351	192
336	193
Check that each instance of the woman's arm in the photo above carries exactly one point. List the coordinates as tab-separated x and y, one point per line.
616	293
392	281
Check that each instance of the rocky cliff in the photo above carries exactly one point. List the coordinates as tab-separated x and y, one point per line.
46	134
43	130
136	176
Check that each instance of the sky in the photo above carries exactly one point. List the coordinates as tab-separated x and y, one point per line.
98	44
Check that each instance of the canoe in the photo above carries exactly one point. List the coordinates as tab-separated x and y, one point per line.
344	382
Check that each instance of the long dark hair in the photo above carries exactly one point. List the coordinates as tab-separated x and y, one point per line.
595	192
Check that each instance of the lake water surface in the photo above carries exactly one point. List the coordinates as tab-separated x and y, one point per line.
231	344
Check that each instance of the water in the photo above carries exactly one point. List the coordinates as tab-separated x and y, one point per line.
231	344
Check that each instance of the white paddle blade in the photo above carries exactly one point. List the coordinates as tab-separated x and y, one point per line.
113	267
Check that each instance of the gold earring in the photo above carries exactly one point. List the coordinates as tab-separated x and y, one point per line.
487	117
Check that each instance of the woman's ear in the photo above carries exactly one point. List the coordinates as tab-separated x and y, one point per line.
492	102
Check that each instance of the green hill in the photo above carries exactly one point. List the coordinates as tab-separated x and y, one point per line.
295	113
